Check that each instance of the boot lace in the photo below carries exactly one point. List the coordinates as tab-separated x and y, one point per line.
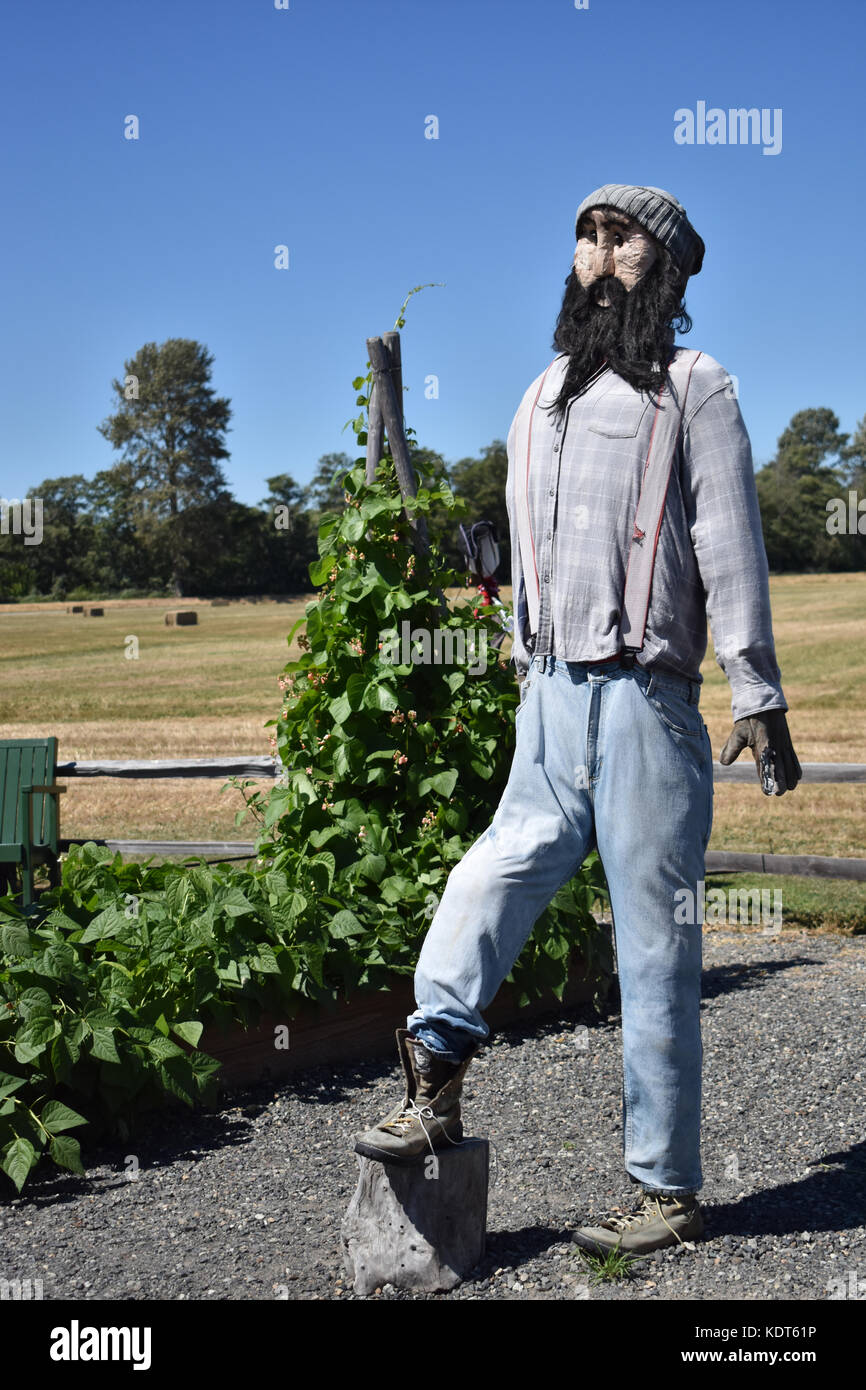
414	1113
650	1207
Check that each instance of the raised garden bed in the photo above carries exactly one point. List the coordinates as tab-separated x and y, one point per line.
362	1027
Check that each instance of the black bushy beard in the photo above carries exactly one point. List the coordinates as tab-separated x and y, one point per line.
634	335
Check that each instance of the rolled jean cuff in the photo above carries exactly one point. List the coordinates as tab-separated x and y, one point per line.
436	1042
665	1191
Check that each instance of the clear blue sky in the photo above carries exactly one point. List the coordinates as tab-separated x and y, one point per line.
306	127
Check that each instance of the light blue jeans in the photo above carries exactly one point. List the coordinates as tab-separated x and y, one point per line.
616	759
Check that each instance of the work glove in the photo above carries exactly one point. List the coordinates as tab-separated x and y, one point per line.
768	737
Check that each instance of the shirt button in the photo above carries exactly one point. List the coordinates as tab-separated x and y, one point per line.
556	447
547	579
551	493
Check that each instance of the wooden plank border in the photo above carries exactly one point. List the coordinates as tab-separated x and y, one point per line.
267	767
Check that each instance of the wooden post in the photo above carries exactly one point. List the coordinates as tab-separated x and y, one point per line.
418	1225
392	344
375	426
380	361
375	435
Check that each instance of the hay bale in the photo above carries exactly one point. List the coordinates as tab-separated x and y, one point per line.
75	608
93	612
184	617
220	602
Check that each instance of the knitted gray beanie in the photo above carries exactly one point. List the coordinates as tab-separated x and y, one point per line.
660	214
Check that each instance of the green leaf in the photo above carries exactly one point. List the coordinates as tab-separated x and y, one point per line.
340	709
35	1003
66	1153
177	1085
294	905
352	528
396	889
265	961
345	924
103	1045
163	1048
322	867
190	1031
380	696
441	782
355	687
177	893
234	902
64	1054
56	1117
280	800
203	1066
371	867
17	1159
15	940
102	1018
61	919
57	961
105	925
303	786
31	1041
162	1025
9	1083
293	665
320	569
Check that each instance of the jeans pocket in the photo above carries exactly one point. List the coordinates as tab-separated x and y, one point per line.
525	686
674	710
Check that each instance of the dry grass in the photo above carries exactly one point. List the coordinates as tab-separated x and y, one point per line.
206	690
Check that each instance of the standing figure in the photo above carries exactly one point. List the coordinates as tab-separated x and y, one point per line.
634	520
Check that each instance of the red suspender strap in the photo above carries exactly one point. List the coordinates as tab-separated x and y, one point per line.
524	528
651	502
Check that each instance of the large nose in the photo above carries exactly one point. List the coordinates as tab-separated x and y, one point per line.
604	262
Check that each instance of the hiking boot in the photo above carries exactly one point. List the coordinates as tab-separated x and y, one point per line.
429	1113
658	1220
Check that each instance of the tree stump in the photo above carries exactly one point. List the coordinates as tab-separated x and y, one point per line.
186	617
421	1225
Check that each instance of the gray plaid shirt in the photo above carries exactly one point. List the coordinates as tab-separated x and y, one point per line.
710	563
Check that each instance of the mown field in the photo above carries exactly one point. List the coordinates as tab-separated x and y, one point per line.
209	689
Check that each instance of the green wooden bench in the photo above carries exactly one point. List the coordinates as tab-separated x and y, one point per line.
29	811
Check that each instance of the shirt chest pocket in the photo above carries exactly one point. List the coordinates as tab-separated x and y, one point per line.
618	418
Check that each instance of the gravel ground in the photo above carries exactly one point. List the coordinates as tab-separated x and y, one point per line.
246	1202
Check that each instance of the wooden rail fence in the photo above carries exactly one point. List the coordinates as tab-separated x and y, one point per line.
717	861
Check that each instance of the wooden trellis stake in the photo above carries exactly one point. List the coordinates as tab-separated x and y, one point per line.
386	410
376	425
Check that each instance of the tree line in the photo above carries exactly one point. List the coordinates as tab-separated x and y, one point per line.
163	521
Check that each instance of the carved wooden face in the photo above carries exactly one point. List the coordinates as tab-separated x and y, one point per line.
611	243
